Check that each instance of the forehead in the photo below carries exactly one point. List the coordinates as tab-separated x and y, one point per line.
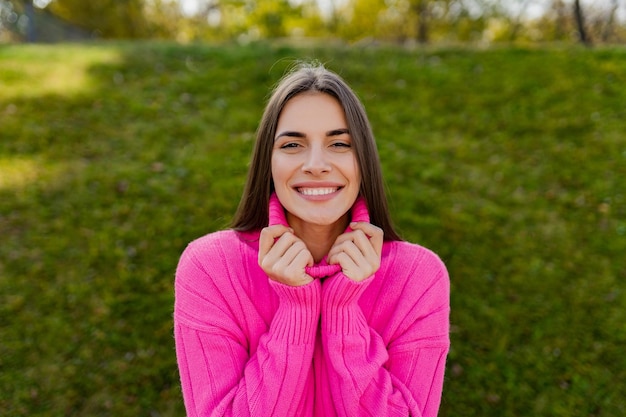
312	110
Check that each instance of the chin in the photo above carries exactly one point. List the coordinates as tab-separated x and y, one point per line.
322	220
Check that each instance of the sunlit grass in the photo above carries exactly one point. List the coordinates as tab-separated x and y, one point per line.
16	173
21	172
52	74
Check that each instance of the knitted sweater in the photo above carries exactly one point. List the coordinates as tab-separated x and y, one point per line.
249	346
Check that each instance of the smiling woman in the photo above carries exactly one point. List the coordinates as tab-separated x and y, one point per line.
311	305
314	169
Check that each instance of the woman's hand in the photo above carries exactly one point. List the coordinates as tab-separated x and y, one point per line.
283	256
359	251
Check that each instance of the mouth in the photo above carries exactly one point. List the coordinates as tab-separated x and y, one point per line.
309	191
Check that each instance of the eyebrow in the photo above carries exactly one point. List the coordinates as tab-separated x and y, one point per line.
338	132
294	134
291	134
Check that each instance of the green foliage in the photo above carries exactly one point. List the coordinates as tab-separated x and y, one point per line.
399	21
509	163
106	18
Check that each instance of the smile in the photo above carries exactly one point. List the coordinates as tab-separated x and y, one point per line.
317	191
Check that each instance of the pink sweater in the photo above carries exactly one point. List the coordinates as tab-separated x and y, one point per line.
248	346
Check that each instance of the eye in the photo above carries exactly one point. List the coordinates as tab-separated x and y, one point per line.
341	145
289	145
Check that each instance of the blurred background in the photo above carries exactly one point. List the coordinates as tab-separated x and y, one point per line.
400	21
126	128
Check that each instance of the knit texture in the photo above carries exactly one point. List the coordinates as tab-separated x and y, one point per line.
249	346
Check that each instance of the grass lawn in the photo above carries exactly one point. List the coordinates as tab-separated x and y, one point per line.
509	163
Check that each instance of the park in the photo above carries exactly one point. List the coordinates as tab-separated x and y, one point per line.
508	160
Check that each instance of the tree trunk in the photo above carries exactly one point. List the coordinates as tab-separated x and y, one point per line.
610	21
421	9
31	31
516	24
580	23
562	19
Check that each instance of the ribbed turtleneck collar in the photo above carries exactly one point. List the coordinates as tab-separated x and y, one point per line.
359	213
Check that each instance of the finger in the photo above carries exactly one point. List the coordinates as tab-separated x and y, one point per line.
268	237
355	271
375	234
362	241
358	238
362	254
293	251
369	229
357	256
288	267
296	268
277	252
346	262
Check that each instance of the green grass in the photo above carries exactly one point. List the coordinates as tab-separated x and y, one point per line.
509	163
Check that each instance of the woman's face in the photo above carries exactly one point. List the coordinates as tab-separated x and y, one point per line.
314	167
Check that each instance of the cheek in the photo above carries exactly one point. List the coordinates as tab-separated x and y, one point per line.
355	172
274	167
279	170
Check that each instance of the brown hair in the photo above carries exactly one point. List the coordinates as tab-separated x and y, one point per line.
252	213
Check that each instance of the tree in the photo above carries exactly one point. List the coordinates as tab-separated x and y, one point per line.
164	19
609	28
561	19
9	15
422	12
360	19
106	18
516	21
580	23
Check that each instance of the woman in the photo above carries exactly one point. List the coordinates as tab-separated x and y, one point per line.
311	305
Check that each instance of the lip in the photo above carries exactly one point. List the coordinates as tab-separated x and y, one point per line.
318	186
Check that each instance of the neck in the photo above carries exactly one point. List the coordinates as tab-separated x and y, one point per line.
318	238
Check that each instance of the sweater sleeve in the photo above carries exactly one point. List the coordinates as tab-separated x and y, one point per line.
219	376
369	378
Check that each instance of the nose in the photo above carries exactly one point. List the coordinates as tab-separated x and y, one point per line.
316	161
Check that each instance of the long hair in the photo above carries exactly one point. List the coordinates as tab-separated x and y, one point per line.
252	213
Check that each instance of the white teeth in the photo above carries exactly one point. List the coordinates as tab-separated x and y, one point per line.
317	191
